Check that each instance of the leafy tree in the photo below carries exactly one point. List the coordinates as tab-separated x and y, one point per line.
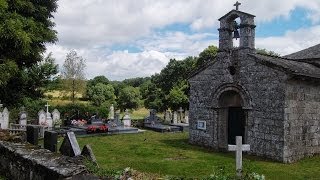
136	82
25	28
98	79
154	98
129	98
73	74
266	52
101	93
207	55
178	97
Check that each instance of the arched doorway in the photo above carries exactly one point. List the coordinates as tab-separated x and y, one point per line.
234	115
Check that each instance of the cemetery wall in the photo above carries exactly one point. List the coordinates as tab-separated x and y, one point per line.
265	89
25	161
302	120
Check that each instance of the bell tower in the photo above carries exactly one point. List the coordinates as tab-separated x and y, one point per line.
229	29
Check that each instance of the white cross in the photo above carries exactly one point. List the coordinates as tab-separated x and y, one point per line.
47	105
238	148
237	4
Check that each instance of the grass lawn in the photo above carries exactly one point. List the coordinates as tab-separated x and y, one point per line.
170	154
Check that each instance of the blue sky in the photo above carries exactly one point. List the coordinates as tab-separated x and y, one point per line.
136	38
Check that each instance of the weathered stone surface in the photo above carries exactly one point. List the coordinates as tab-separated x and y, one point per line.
25	161
70	146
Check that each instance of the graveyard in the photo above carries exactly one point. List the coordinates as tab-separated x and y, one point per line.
172	101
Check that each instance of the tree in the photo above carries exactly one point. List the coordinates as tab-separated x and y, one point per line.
207	55
73	74
266	52
154	98
178	97
25	28
129	98
101	93
98	79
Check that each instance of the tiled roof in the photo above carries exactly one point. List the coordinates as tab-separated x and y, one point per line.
309	53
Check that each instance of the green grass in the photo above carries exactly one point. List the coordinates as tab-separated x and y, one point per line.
170	154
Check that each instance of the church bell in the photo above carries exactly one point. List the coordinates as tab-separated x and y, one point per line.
236	34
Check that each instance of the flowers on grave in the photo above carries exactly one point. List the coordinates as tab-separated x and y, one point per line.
91	129
79	122
103	128
44	123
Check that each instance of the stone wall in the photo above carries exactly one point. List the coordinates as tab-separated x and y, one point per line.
25	161
264	88
302	120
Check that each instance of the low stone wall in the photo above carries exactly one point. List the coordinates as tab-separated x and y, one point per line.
25	161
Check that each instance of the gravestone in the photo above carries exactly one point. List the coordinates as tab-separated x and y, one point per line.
70	146
111	112
238	148
180	115
175	117
23	116
42	118
50	140
186	117
117	118
32	135
127	119
167	116
88	153
4	118
55	115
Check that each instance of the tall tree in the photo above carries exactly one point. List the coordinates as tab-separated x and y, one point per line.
207	55
129	98
73	74
25	28
101	93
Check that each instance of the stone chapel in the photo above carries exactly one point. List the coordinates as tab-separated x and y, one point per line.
272	102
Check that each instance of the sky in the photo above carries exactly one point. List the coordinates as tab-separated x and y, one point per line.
123	39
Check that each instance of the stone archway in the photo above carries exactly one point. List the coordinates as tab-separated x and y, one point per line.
231	104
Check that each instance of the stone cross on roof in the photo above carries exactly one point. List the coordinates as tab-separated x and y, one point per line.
238	148
237	4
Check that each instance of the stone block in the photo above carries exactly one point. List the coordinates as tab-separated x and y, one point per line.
50	140
32	135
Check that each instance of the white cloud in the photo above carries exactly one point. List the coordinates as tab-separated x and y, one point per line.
92	27
292	41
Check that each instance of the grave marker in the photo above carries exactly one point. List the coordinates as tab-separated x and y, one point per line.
175	117
32	135
127	119
180	115
50	140
42	118
70	146
23	116
238	148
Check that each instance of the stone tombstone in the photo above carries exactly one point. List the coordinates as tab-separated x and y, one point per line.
175	117
32	135
180	117
70	146
48	116
127	119
117	118
111	112
167	116
186	117
55	115
50	140
5	119
23	117
88	153
42	118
